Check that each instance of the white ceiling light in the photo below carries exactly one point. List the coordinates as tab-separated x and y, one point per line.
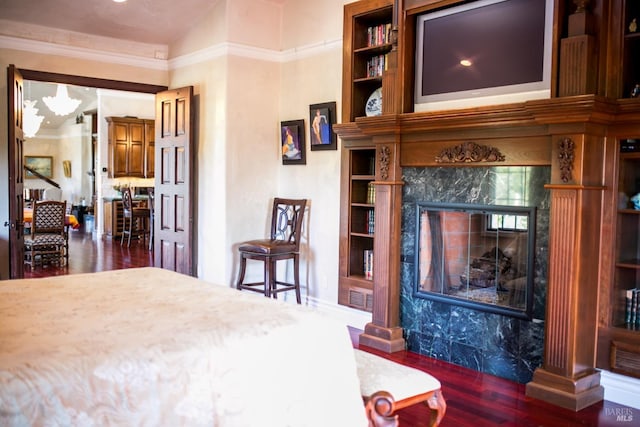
31	121
61	104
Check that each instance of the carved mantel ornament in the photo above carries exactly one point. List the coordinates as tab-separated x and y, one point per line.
470	152
566	155
385	158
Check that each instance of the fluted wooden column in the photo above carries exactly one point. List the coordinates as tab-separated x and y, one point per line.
384	331
568	377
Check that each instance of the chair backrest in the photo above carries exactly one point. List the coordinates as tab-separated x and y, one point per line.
127	200
48	217
286	220
152	199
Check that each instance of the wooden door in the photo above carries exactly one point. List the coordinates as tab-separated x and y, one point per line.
15	84
173	222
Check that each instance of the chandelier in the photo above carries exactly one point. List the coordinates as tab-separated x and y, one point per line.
31	120
61	104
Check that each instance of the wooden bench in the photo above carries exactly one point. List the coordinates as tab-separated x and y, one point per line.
387	386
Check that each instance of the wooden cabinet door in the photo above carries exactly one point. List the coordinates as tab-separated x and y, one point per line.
118	148
136	150
128	149
150	148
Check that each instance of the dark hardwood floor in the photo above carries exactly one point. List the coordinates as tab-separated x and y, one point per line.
87	255
473	399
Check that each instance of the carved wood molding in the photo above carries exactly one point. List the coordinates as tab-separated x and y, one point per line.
566	156
470	152
384	160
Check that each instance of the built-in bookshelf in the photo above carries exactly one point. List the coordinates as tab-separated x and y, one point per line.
631	48
622	333
357	227
627	277
367	43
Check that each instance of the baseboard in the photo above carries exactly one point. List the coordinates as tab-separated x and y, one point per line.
620	389
351	317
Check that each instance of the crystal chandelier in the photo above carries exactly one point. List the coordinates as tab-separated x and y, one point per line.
61	104
31	120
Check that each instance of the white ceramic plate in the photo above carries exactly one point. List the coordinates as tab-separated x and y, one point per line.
374	103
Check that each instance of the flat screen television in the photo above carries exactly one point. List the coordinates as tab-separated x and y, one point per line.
484	52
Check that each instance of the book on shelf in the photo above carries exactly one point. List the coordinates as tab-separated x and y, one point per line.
371	221
378	35
371	194
368	264
376	65
632	310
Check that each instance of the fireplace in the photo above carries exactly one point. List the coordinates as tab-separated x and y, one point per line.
493	323
476	256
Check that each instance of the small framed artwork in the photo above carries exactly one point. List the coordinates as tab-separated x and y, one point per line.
43	165
292	142
66	167
322	118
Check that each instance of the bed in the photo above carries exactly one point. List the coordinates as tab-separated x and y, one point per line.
150	347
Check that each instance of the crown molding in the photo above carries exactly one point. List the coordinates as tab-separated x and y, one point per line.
234	49
46	48
203	55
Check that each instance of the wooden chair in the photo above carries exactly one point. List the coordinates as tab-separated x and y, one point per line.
152	201
135	219
46	242
283	244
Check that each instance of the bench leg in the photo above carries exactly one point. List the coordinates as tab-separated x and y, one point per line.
438	407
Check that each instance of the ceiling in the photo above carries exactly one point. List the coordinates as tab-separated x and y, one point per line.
146	21
35	91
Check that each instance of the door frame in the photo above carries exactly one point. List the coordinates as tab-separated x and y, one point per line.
49	77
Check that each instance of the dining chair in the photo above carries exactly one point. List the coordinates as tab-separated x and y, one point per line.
135	219
282	244
46	242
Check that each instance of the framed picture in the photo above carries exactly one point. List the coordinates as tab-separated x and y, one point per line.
292	142
41	164
322	118
66	167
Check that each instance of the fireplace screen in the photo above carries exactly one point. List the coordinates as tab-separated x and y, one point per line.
479	256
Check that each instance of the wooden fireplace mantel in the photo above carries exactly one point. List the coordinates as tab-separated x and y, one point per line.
574	135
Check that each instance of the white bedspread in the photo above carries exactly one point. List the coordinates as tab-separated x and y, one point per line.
149	347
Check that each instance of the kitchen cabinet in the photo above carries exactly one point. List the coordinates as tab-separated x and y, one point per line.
131	147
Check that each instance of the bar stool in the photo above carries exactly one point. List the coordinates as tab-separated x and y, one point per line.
135	219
